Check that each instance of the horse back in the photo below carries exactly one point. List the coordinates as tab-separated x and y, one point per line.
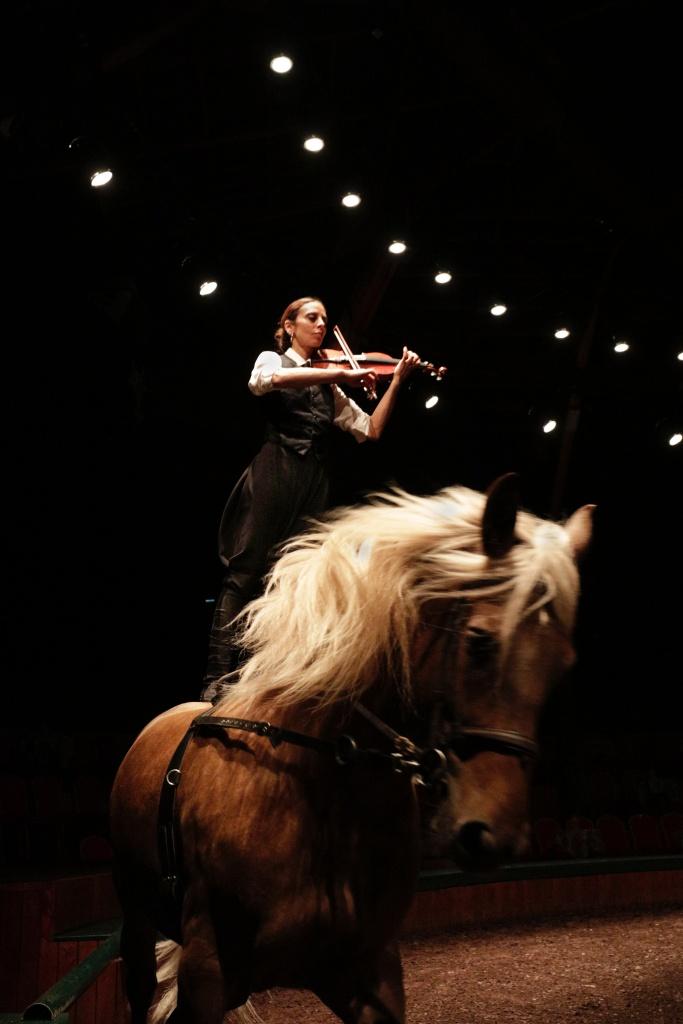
137	786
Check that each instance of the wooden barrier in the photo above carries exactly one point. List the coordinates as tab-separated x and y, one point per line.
450	899
40	937
32	912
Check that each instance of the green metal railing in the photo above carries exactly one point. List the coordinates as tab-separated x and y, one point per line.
53	1004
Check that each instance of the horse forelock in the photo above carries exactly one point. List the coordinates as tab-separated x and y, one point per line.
343	600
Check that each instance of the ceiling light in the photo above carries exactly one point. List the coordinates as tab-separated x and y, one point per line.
397	247
208	287
680	357
561	333
443	277
675	439
622	346
549	426
100	178
498	309
281	64
314	144
351	199
431	401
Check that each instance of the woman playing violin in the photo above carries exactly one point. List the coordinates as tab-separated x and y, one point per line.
288	480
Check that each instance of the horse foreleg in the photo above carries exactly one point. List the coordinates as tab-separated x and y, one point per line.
375	997
200	983
138	938
205	990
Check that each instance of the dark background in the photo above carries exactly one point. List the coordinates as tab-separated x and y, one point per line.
531	150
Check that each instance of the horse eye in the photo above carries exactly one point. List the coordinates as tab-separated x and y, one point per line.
481	644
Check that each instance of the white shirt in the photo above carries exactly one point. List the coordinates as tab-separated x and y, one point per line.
347	415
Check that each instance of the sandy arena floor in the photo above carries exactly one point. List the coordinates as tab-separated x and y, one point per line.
624	969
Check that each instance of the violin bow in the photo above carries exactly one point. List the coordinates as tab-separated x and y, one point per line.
353	362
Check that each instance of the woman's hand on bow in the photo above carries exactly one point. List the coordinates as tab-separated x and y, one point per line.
360	379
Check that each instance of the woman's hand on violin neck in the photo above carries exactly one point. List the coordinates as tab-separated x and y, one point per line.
360	378
406	364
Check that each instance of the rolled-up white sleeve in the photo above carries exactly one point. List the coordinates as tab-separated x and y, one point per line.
349	416
261	380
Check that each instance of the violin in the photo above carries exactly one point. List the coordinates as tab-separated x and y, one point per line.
378	363
374	362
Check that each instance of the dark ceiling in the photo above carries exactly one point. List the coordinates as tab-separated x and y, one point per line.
531	149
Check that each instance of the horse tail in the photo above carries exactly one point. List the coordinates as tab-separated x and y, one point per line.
166	996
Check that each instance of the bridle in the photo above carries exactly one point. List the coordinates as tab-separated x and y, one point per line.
426	766
463	741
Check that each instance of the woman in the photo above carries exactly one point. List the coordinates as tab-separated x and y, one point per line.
288	481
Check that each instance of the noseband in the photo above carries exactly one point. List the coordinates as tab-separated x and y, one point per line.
469	740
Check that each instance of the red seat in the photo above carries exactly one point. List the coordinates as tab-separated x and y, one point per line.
671	825
95	850
580	837
614	835
549	839
644	829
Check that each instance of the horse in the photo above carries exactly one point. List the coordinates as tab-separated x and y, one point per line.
409	640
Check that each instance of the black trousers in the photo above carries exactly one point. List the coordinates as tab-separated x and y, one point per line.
270	503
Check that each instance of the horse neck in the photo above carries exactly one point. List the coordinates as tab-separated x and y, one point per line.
328	722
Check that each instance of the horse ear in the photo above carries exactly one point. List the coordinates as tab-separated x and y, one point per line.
498	524
579	526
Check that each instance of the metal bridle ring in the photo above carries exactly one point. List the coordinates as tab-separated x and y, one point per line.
346	750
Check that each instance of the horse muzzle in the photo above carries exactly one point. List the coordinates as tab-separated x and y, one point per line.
475	847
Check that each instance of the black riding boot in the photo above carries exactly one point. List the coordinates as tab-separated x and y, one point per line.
223	654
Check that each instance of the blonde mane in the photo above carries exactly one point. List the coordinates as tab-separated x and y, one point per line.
343	601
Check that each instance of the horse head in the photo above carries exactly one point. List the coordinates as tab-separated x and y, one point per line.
493	659
449	618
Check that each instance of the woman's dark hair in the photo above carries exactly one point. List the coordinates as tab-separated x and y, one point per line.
282	339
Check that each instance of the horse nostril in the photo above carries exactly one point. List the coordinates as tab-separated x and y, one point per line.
476	839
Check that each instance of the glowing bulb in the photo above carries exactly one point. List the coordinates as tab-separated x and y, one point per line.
431	401
675	439
680	357
549	426
351	199
622	346
314	144
498	309
397	247
443	277
562	333
100	178
281	64
208	287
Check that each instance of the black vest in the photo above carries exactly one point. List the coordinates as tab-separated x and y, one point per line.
300	418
